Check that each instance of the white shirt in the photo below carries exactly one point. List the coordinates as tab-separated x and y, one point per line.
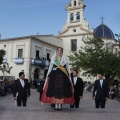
101	82
74	80
22	83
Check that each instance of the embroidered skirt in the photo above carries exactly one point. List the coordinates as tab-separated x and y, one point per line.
58	89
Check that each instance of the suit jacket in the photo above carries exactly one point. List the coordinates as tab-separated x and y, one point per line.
78	87
22	92
100	92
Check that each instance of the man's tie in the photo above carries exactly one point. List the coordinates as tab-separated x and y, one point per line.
101	82
22	83
75	80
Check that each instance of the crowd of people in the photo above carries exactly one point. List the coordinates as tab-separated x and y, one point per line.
6	87
88	86
114	90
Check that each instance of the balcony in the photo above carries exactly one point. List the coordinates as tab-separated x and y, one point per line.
4	61
18	60
46	62
36	61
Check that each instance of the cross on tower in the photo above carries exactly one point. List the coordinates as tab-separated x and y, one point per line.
102	19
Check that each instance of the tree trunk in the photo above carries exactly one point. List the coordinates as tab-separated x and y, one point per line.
108	78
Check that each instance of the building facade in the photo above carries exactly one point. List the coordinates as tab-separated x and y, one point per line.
30	54
76	28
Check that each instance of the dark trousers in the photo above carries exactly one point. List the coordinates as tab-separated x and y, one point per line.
76	104
41	94
21	100
100	103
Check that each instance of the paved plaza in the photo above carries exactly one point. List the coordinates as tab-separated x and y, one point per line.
36	111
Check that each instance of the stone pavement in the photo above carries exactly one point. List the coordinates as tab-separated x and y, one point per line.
36	111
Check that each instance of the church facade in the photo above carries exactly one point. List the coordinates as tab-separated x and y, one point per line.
77	27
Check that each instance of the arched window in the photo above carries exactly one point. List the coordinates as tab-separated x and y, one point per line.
74	3
78	16
71	17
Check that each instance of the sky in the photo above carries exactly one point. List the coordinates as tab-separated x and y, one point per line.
20	18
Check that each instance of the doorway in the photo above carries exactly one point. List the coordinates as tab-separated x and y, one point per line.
36	73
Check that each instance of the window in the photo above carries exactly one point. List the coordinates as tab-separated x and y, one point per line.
20	53
74	30
71	17
37	54
74	3
73	45
78	16
48	56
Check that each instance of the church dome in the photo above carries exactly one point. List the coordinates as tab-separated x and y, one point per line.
103	31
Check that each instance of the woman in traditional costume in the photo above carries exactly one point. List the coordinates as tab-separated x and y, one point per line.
58	87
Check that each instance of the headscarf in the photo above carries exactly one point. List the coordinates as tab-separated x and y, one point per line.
63	61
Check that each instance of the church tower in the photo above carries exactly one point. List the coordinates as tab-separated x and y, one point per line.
75	27
75	11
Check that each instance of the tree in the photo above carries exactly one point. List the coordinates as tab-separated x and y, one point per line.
95	57
2	53
5	68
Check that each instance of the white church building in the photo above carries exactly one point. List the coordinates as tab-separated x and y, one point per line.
77	27
32	53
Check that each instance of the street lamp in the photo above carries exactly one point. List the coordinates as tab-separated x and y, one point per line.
118	36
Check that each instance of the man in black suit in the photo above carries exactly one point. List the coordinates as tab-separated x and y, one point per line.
78	89
22	89
100	91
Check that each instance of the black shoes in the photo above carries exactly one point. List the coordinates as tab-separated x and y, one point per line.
58	109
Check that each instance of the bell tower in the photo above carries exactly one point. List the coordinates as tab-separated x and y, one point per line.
75	11
75	28
75	15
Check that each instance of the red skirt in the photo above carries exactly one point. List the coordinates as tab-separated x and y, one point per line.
54	100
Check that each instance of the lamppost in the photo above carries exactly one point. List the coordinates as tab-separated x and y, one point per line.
118	36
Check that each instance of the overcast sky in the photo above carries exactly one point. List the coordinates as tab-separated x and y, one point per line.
30	17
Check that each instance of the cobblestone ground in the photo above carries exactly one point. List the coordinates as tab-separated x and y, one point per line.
36	111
